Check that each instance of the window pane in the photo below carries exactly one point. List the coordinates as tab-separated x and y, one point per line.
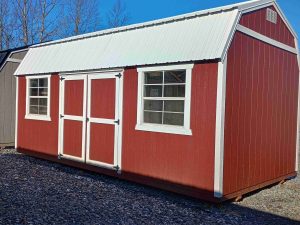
34	91
43	91
153	78
177	76
34	82
174	106
173	119
43	102
42	110
174	91
34	101
153	91
153	105
153	117
33	110
43	82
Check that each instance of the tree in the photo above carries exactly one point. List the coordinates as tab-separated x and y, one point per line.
81	16
24	20
6	27
118	15
48	22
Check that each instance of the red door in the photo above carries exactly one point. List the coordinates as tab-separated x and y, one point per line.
90	119
103	125
73	117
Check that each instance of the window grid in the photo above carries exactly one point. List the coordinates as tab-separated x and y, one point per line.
162	98
38	108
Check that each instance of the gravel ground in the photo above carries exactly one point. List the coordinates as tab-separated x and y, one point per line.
34	191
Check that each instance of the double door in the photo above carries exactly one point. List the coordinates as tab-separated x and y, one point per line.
90	119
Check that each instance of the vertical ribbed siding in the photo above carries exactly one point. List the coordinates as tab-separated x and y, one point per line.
261	113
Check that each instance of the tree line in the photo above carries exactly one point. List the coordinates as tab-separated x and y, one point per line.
26	22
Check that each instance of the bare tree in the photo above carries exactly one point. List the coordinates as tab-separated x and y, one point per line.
48	19
118	15
4	19
81	16
24	10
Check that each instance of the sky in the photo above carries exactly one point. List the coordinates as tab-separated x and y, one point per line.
147	10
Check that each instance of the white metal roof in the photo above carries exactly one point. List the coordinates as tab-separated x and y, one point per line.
202	35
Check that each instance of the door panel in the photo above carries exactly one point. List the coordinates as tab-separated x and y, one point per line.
72	138
102	98
102	143
103	120
73	117
74	94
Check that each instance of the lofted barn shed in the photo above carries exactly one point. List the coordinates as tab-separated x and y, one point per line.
9	61
204	104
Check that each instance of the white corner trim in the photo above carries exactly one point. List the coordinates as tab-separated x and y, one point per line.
183	130
298	114
17	113
33	116
219	135
265	39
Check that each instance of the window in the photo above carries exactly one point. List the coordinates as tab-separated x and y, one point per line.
38	98
271	16
164	99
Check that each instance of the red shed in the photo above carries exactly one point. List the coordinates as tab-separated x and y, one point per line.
204	104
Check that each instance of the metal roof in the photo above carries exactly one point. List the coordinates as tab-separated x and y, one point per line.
202	35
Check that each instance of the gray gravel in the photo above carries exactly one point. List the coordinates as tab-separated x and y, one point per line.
34	191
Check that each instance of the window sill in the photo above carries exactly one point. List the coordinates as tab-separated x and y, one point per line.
163	129
37	117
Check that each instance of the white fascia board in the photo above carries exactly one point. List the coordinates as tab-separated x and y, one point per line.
231	36
265	39
219	133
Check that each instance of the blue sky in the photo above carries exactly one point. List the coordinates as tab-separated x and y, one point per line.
146	10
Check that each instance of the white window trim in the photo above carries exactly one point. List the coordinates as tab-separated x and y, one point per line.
33	116
170	129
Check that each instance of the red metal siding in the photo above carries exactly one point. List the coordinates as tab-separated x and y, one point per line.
36	135
261	113
180	159
257	21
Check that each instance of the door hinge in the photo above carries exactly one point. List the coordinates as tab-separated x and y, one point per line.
116	167
87	119
61	116
117	122
59	156
62	78
119	75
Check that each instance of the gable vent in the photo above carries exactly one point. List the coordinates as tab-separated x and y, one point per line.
271	16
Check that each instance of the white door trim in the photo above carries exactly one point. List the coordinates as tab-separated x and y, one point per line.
220	124
71	117
298	113
118	117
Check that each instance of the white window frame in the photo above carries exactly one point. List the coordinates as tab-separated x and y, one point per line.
163	128
36	116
